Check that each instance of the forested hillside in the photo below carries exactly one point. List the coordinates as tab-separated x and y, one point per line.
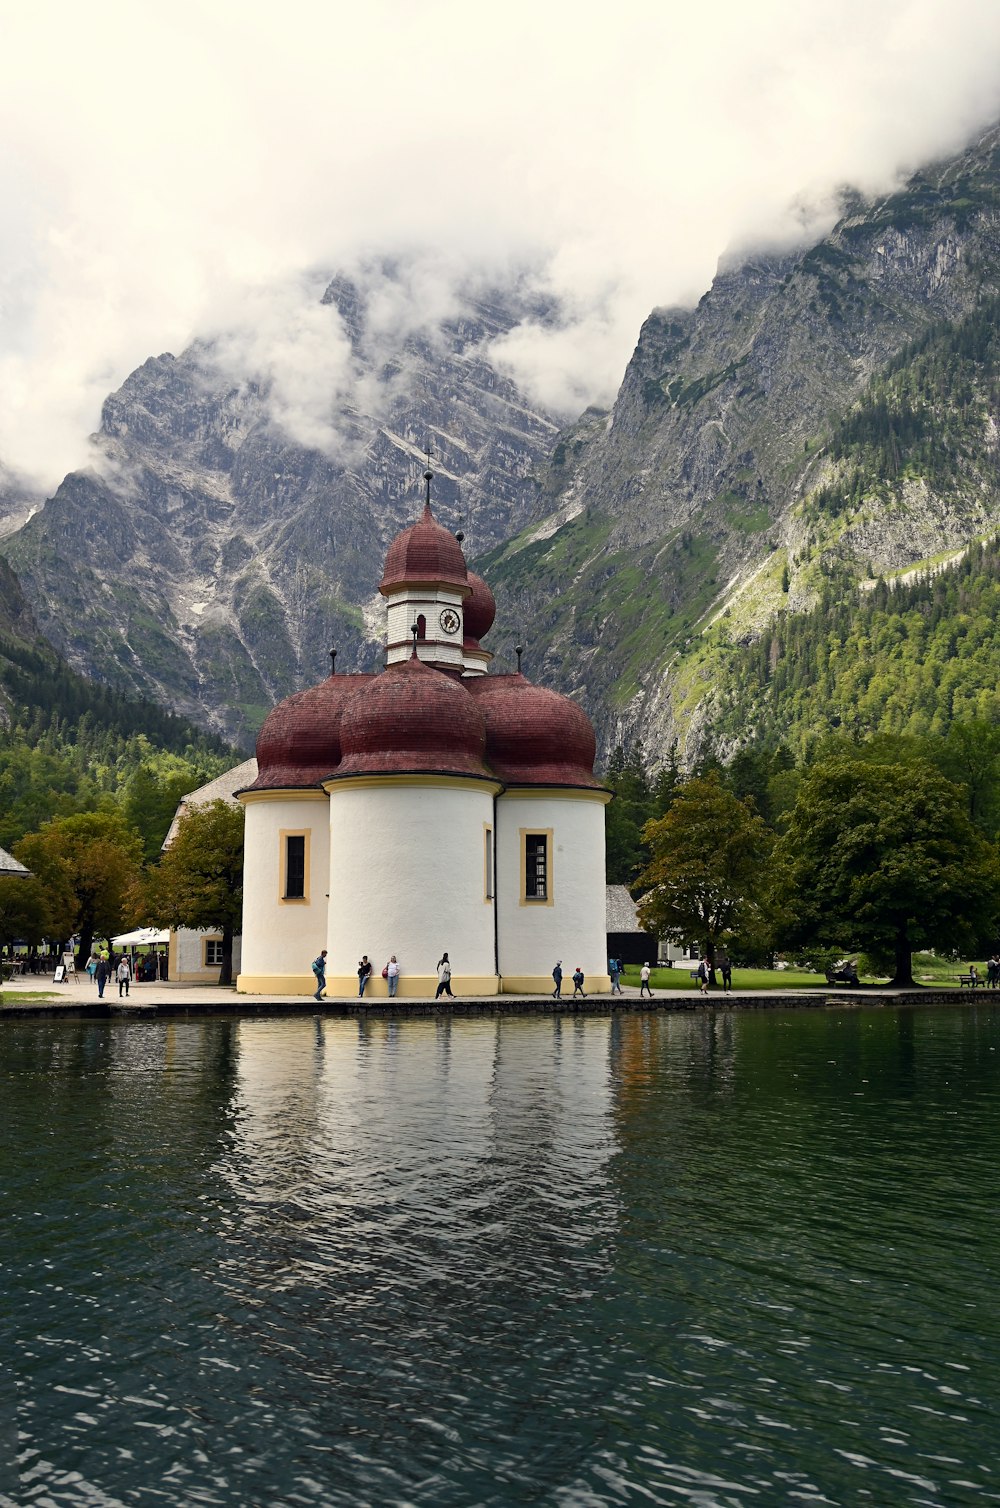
904	658
68	745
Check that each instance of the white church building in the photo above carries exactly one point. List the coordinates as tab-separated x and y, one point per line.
431	807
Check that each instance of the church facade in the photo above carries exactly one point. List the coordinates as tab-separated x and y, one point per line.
430	808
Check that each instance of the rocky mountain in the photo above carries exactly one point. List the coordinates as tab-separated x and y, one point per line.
725	486
208	560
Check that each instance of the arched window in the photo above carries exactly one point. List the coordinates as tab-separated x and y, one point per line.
421	626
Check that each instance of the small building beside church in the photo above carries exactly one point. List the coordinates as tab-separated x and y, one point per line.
429	808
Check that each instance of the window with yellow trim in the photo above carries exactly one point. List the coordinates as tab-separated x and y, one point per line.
294	878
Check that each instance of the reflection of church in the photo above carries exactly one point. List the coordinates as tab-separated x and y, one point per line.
431	807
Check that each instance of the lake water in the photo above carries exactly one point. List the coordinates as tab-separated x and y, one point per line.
724	1259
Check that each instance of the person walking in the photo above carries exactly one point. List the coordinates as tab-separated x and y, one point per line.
578	982
392	976
557	980
644	982
364	974
102	974
319	969
444	977
123	973
615	970
703	976
726	970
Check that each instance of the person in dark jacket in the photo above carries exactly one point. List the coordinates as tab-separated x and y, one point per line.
101	974
557	977
578	982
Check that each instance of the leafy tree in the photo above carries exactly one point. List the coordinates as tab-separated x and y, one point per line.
24	914
199	880
87	865
886	855
706	878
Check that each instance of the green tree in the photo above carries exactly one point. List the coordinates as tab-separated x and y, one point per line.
199	880
627	814
707	875
88	865
887	857
24	914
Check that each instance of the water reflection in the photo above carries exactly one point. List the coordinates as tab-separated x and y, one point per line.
720	1258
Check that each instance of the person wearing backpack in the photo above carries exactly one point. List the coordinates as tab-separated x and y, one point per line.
319	969
644	981
578	982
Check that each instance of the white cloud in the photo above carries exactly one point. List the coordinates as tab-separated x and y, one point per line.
164	166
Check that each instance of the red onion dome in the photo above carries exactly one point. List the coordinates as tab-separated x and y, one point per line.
534	736
427	552
299	742
410	720
478	611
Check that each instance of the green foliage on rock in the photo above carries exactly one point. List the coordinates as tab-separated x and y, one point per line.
913	659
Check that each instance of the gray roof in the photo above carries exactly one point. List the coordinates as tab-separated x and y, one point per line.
219	789
620	910
9	866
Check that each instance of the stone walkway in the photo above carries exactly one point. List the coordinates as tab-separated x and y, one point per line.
162	999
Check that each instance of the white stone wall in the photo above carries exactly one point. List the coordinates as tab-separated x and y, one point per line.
408	877
186	956
572	928
438	647
281	938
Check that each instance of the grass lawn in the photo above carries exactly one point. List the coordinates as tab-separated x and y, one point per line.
928	970
679	978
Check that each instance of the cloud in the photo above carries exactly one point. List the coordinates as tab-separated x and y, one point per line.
177	171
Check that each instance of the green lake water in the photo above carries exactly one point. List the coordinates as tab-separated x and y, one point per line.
721	1259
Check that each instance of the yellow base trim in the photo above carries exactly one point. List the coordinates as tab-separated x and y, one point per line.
410	987
418	986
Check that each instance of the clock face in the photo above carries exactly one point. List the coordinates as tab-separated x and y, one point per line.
449	620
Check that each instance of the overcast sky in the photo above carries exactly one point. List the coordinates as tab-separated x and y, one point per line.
183	168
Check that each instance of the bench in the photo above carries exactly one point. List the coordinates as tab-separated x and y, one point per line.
834	976
971	980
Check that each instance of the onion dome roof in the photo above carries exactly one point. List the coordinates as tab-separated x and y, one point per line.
478	610
534	736
412	719
299	743
425	552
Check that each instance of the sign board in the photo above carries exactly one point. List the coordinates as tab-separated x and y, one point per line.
69	964
59	977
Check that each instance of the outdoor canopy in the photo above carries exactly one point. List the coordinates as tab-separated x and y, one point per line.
139	937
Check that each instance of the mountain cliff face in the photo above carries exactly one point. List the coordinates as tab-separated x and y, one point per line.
209	561
823	418
704	497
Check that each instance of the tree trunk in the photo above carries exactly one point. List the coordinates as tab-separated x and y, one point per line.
226	972
84	948
903	976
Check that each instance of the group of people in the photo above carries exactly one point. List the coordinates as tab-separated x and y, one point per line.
390	973
103	966
577	977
